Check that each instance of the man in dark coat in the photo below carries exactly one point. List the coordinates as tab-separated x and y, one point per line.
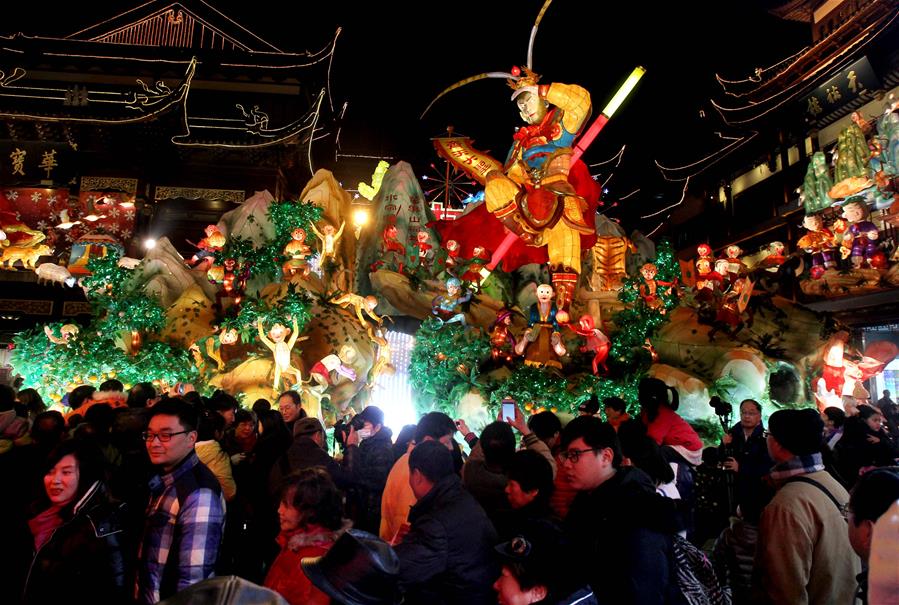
447	555
306	451
366	464
620	528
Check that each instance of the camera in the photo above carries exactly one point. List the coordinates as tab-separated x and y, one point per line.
722	408
342	428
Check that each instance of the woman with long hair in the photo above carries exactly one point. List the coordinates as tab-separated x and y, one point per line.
658	405
680	445
77	532
865	443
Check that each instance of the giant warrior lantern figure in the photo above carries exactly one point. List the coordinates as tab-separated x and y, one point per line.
542	195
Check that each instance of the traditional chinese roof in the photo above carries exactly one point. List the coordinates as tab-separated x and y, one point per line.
752	105
178	24
772	88
222	85
796	10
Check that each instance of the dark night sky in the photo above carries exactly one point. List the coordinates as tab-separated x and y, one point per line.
394	57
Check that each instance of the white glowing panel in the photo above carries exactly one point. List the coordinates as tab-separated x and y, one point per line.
392	393
315	263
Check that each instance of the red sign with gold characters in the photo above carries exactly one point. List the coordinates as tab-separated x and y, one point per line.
459	152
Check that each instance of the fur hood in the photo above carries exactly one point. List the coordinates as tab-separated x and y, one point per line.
12	426
304	539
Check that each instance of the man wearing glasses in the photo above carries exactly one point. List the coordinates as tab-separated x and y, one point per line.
621	529
186	513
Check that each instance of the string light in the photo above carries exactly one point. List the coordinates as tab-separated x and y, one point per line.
831	64
759	72
137	8
717	156
328	77
677	203
659	226
617	156
176	97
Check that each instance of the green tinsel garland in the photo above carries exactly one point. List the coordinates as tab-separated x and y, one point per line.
444	364
446	361
119	306
92	357
266	260
294	304
546	388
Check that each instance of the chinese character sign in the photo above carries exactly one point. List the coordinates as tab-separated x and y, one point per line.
459	152
48	161
856	80
18	161
29	163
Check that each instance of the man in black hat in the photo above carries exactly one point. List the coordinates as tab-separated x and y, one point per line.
360	569
446	556
590	407
804	555
367	462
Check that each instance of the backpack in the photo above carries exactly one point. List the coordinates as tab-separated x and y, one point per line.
696	578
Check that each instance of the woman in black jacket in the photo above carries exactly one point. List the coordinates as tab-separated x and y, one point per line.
77	532
865	443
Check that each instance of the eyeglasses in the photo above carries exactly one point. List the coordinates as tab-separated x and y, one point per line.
163	437
574	455
765	433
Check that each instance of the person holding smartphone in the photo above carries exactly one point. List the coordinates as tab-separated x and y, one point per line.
485	474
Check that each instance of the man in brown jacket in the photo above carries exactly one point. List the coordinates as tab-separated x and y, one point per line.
804	556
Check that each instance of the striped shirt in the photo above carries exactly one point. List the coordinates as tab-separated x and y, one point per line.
184	524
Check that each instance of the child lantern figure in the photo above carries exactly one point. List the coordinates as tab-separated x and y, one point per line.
541	344
447	308
502	341
819	242
649	288
859	243
280	349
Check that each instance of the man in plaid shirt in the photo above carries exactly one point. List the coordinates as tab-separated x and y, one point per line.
186	514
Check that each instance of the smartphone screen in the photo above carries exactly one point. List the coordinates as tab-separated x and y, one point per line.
508	409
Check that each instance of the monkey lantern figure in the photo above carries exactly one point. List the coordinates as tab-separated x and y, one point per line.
281	349
597	342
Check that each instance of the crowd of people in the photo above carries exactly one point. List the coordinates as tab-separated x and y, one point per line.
142	497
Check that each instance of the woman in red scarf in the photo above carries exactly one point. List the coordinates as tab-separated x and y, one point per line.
310	516
77	533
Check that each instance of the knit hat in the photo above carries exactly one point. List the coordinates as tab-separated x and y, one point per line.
798	431
372	414
307	426
590	406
